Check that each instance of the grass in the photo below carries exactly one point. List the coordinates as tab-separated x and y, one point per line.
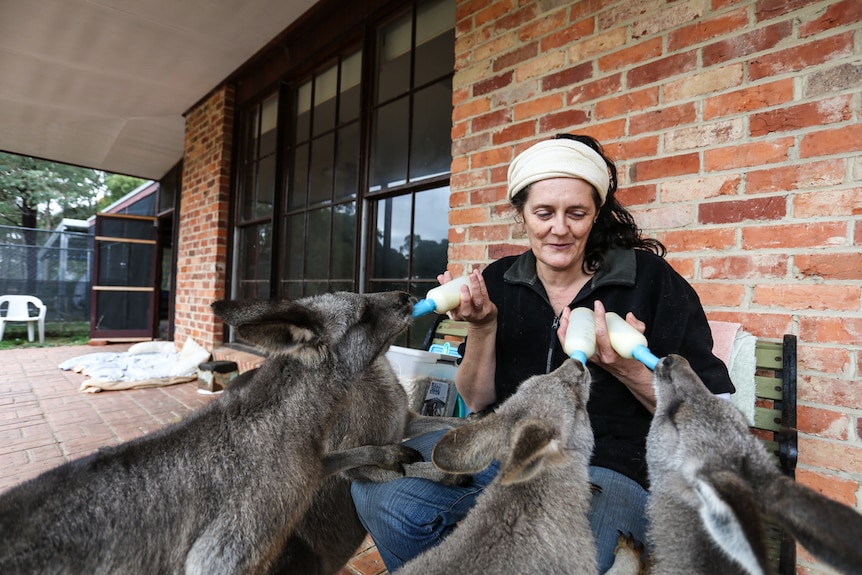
56	334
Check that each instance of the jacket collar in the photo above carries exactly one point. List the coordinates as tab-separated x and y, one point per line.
619	268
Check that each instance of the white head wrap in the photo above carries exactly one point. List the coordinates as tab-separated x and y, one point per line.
558	158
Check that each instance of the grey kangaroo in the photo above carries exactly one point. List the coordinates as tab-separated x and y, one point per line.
712	481
533	517
222	490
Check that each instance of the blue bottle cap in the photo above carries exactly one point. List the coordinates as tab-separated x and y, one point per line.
424	306
580	356
645	356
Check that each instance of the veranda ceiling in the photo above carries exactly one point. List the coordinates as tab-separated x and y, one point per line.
104	83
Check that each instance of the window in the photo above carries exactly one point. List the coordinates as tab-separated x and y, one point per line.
256	190
362	198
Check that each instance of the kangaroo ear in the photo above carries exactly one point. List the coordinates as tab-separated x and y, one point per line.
470	448
729	514
278	327
534	446
829	530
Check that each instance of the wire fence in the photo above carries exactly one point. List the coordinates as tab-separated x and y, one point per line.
53	265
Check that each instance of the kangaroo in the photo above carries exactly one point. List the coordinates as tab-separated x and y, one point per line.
533	517
712	482
222	490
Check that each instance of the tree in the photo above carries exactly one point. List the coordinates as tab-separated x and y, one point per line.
117	187
38	194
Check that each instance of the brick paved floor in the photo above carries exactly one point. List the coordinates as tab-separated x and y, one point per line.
45	421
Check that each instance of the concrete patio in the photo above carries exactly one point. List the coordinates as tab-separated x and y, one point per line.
45	420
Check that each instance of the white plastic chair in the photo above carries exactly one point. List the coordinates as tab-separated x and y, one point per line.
18	311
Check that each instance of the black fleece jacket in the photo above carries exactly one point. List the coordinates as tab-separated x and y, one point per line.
629	281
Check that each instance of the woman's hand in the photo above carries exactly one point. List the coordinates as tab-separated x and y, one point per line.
635	375
476	307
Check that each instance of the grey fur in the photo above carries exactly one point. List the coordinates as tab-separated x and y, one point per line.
712	482
533	517
220	491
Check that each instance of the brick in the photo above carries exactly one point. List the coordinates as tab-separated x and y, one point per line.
492	84
699	239
538	106
808	296
754	266
491	12
839	330
828	203
488	48
769	9
595	90
830	455
636	195
826	359
801	56
839	489
746	44
820	113
589	48
704	135
467	180
748	99
848	12
735	211
664	168
497	251
838	78
829	266
513	20
831	141
800	236
471	108
563	121
682	266
662	119
490	157
700	188
516	56
492	233
629	55
720	294
705	82
796	177
628	102
665	217
568	77
706	28
745	155
490	120
633	148
515	132
668	18
564	37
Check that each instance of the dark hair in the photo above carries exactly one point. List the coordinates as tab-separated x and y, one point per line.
614	227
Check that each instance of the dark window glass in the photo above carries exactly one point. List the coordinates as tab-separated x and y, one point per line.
432	131
389	145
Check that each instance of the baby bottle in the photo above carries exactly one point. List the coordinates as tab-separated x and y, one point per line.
580	340
629	342
442	298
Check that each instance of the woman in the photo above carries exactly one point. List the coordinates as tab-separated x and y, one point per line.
585	251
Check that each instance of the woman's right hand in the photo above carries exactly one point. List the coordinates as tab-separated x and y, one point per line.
476	307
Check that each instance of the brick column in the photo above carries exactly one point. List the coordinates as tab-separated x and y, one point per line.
203	222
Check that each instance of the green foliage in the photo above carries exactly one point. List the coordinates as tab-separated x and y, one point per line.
39	194
118	186
56	334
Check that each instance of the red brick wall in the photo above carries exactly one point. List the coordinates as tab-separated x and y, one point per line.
202	242
736	128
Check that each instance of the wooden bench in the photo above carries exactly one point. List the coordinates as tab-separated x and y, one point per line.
774	415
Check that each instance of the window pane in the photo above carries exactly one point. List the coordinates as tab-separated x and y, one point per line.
389	148
294	246
435	40
317	253
393	60
431	150
249	135
325	86
347	162
322	152
268	121
265	187
343	241
351	75
299	182
431	234
392	237
302	121
254	260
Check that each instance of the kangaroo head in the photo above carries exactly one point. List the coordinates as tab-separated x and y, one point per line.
541	426
313	327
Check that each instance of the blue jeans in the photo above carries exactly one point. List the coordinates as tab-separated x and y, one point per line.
407	516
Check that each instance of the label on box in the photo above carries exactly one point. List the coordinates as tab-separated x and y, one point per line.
436	398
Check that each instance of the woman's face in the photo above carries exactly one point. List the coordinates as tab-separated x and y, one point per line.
558	215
